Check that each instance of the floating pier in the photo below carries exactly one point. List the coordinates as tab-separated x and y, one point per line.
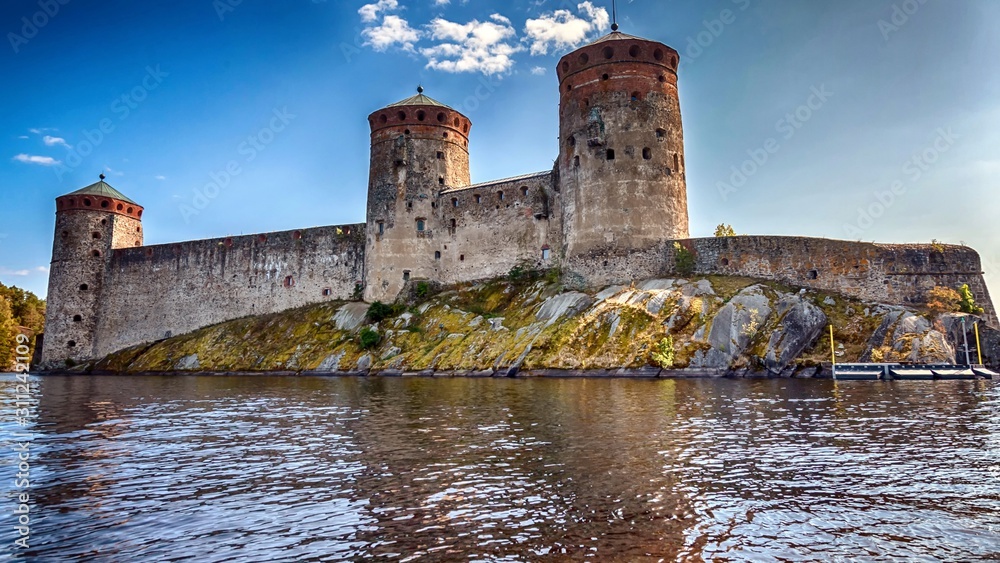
910	372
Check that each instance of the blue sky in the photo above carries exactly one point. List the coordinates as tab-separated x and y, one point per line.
829	107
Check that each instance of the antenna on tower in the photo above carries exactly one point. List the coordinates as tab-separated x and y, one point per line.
614	15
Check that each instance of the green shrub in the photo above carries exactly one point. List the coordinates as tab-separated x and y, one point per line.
967	302
369	338
683	260
422	289
663	352
379	311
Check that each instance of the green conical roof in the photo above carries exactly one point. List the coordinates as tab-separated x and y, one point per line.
104	190
419	100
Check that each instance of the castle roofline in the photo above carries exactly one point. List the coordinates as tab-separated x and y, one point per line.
619	36
420	100
482	185
102	189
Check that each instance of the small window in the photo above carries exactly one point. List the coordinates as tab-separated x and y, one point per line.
605	77
406	275
406	131
401	115
647	154
461	258
545	254
77	318
453	224
677	163
409	205
576	161
608	52
479	199
95	235
420	225
84	287
437	254
571	141
660	133
297	235
289	281
636	97
454	202
524	191
96	253
381	228
440	180
105	204
71	344
725	261
611	154
500	196
261	238
658	55
440	155
420	115
86	202
104	221
813	274
634	51
327	292
65	234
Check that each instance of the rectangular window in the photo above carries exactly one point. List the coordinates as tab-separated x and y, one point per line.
611	154
440	155
381	228
437	254
420	225
327	292
406	275
545	254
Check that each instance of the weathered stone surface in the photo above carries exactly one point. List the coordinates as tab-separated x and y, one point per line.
799	325
733	327
350	316
558	306
187	363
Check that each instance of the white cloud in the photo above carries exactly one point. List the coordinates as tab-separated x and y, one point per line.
562	30
43	269
52	141
31	159
472	47
369	12
394	30
441	2
112	171
161	177
6	272
23	137
538	70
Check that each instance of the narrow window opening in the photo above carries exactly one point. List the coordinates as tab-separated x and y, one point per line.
440	155
524	191
289	281
453	226
95	235
65	234
635	96
611	154
454	202
327	292
500	196
409	205
441	118
381	228
86	202
440	180
633	51
604	77
96	254
105	204
576	161
647	153
406	275
571	141
813	274
420	225
461	258
104	221
77	318
401	115
677	165
608	52
84	287
437	254
725	261
545	254
479	198
660	133
420	116
71	344
406	132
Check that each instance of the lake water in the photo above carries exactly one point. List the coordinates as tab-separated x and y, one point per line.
297	468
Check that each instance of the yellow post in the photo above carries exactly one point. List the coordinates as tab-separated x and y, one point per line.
978	350
833	352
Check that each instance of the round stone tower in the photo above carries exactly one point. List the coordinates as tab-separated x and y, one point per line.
419	148
90	223
621	147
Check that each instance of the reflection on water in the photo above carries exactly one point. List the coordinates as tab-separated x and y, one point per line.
262	468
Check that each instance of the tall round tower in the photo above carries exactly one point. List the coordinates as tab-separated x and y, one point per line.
90	223
419	147
621	147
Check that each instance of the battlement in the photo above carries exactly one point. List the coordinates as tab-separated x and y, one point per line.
614	56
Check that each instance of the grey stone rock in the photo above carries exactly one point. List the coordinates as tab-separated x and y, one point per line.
562	305
733	327
650	285
187	363
910	324
497	323
392	351
330	363
801	323
829	301
608	292
350	316
364	363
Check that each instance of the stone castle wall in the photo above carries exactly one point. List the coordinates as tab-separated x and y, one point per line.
153	292
898	274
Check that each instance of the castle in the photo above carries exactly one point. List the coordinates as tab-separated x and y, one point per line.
613	209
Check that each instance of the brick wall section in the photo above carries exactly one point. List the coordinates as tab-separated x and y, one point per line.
150	292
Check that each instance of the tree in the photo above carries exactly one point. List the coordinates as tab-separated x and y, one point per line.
8	335
943	300
967	301
724	230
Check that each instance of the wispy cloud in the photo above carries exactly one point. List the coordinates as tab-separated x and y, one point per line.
562	29
160	177
52	141
538	70
472	47
32	159
22	137
112	171
22	273
41	130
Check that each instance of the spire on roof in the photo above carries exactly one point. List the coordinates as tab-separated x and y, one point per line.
614	15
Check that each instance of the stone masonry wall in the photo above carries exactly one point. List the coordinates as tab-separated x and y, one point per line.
157	291
888	273
491	233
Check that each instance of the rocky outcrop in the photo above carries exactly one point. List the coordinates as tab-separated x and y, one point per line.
705	326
